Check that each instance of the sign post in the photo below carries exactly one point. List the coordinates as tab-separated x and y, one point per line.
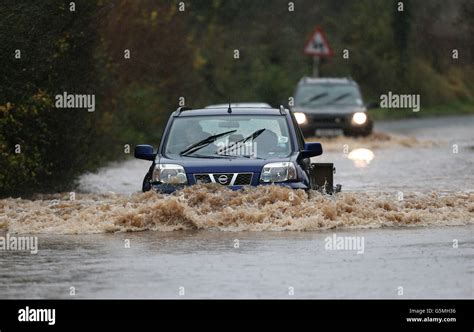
316	63
318	47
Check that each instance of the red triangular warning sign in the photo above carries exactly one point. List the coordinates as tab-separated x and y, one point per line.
317	44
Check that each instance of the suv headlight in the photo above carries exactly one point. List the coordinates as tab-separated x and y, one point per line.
278	172
359	118
170	174
300	117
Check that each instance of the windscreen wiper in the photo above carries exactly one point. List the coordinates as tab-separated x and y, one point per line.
313	98
213	156
205	142
239	155
252	136
340	97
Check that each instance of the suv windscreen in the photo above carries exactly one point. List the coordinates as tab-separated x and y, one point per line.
273	141
313	95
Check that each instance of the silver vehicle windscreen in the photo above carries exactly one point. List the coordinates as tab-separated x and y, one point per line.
313	95
243	136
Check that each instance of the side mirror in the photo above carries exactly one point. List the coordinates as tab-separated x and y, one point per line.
372	105
311	150
144	152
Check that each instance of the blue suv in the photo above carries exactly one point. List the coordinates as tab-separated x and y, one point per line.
234	147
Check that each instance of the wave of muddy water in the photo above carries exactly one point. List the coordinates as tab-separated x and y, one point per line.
212	207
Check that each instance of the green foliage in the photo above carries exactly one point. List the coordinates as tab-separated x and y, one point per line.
141	114
454	108
57	50
39	148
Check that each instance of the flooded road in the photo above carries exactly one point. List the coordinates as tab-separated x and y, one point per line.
408	196
266	265
414	155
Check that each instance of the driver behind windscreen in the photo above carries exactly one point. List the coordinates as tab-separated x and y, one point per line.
187	132
266	142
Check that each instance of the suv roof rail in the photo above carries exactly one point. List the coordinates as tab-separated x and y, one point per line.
282	110
327	80
182	109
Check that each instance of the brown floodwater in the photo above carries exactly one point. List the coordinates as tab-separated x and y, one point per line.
407	192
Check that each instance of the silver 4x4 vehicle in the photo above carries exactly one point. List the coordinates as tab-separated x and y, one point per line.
331	106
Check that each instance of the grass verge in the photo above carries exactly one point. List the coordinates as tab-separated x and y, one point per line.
456	108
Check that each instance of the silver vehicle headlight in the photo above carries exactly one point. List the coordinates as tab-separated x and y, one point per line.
359	118
170	174
300	117
278	172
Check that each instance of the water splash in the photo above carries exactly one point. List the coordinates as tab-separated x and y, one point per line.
265	208
377	140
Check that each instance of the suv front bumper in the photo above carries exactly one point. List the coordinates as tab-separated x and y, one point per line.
334	121
168	188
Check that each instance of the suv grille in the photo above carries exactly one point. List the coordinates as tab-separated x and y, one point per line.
225	179
243	179
328	119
